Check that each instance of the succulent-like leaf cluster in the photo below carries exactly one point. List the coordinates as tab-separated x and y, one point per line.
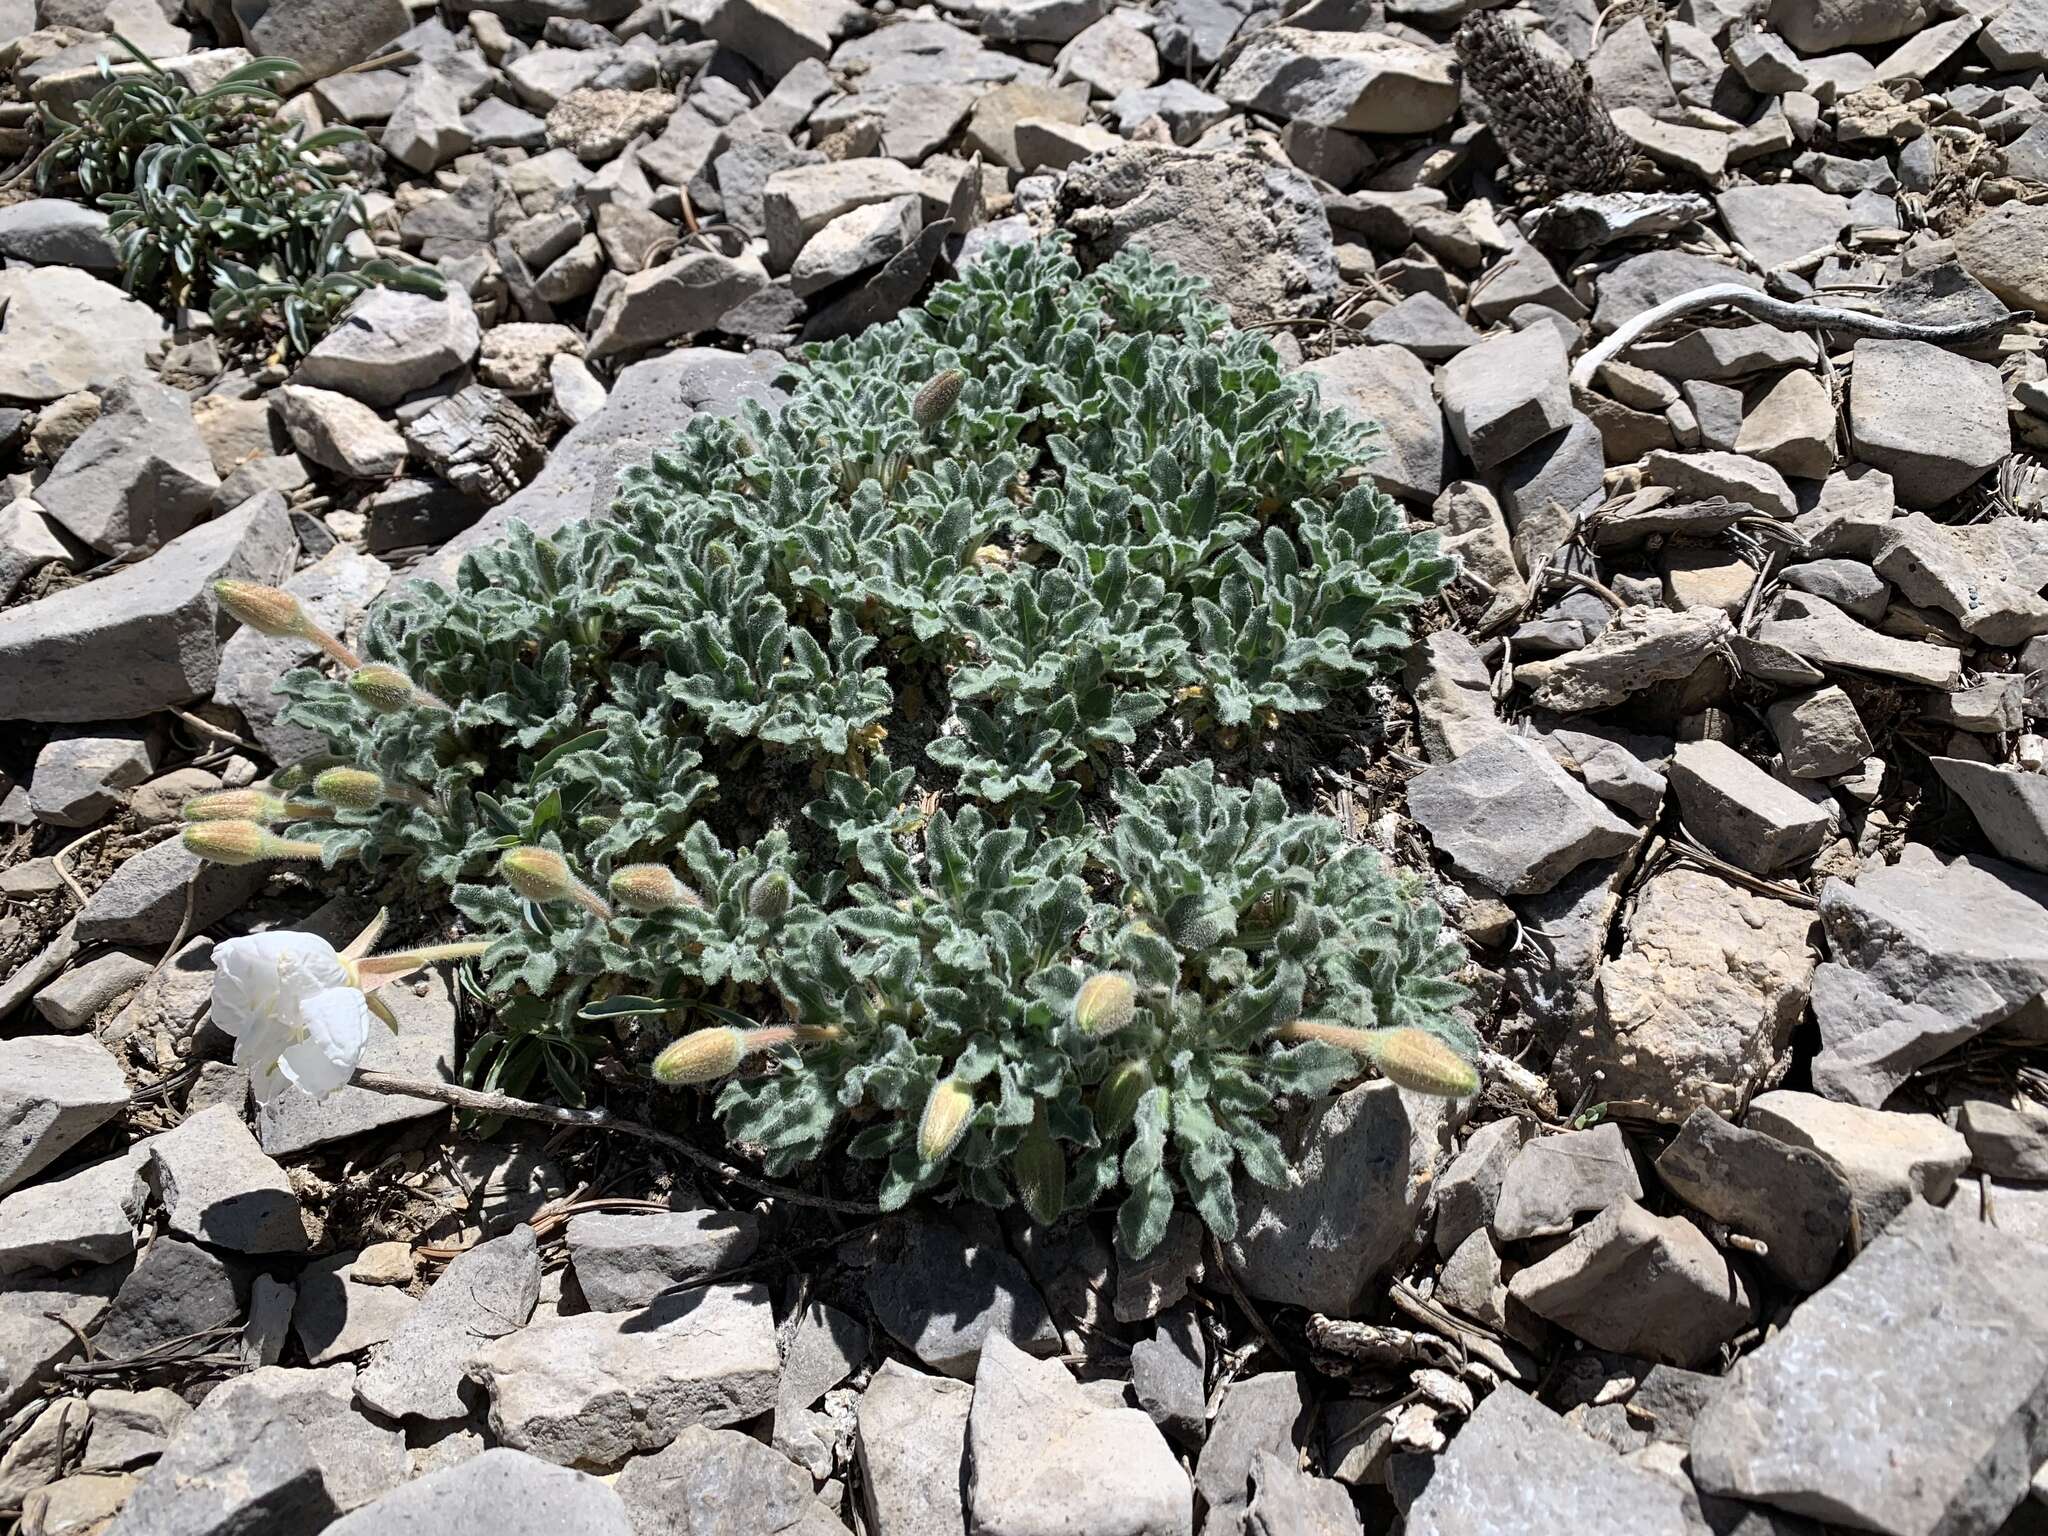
1038	535
212	199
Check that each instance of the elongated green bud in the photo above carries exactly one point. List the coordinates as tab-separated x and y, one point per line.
1409	1058
1116	1100
542	875
1039	1166
1106	1003
945	1118
650	888
242	842
235	805
935	402
349	789
702	1056
267	610
768	898
389	691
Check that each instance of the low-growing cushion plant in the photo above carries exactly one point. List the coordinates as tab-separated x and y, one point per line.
893	761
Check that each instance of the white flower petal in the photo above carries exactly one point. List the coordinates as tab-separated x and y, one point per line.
268	974
337	1027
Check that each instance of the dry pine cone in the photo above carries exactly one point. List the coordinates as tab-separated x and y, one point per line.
1546	116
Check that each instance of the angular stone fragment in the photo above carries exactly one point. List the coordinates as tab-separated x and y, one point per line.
1516	1466
1169	1375
1790	1197
240	1468
596	1388
389	344
1939	1438
1048	1458
1469	1189
340	433
678	299
337	1315
218	1186
623	1261
911	1449
145	636
1259	1414
484	1294
137	477
1819	734
1507	814
62	330
1817	631
1922	959
1556	1178
942	1295
2010	805
711	1479
1889	1158
1390	387
41	1322
1701	1002
334	591
1639	1284
1641	648
1931	418
131	1428
1779	223
80	1218
1361	82
144	901
54	1092
505	1492
1506	393
1742	813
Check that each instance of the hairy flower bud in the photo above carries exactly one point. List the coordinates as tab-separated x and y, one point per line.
703	1056
1116	1100
650	888
1039	1166
267	610
542	875
349	789
242	842
768	898
383	688
235	805
1418	1061
945	1118
936	400
1107	1002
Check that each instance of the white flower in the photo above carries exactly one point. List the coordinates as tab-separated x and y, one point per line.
295	1013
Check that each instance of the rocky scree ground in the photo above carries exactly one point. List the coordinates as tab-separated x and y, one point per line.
1724	747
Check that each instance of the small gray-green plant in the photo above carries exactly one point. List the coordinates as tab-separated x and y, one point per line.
866	753
214	200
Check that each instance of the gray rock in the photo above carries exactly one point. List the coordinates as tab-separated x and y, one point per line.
137	477
624	1261
1258	1415
146	636
1617	766
484	1294
745	164
596	1388
40	1451
324	37
74	1000
1562	470
56	232
427	128
1257	232
1365	1163
1554	1179
270	1318
942	1294
1187	110
823	1347
1701	476
1934	420
62	330
359	1460
1742	813
1779	223
54	1092
1639	1284
1390	387
1819	734
778	35
40	1325
1111	55
390	344
1889	1159
1169	1375
1046	1457
79	774
501	1491
79	1219
1286	1501
2001	247
1469	1190
2007	1133
678	299
1922	959
1452	687
855	242
30	540
649	403
719	1482
143	901
1643	281
1804	1424
1817	631
798	203
334	591
1425	325
1790	1197
338	1315
1363	82
241	1468
1517	1466
218	1186
992	126
911	1450
1507	393
131	1428
340	433
2010	805
1700	1004
1507	814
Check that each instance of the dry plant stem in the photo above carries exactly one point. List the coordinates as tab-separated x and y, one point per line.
340	654
1782	312
483	1103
